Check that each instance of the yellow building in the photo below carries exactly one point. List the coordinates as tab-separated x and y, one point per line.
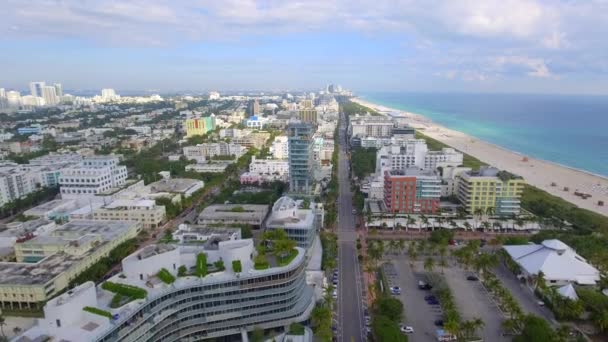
199	126
490	191
145	212
308	115
66	252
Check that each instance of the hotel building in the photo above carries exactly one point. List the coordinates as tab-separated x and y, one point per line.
411	191
490	188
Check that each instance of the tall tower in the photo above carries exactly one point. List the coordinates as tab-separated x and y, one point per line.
58	89
36	88
49	95
300	136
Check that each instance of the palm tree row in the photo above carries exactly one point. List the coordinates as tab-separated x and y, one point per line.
425	222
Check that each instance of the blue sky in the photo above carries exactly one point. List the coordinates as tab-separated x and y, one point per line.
465	46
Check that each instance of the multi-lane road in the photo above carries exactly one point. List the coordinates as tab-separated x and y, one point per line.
350	311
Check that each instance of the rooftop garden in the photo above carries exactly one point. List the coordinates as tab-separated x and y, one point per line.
275	249
123	293
165	276
97	311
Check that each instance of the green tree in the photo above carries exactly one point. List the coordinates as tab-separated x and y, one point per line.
257	335
384	329
536	329
429	264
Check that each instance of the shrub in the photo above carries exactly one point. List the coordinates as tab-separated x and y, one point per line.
201	265
116	300
166	276
296	329
219	265
97	311
260	262
125	290
237	266
182	271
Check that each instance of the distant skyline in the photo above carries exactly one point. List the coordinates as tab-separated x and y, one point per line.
515	46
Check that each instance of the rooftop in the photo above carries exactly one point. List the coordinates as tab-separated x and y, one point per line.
174	185
411	172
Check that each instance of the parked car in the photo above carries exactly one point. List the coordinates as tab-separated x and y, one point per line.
430	297
541	303
395	290
472	278
438	322
424	286
407	329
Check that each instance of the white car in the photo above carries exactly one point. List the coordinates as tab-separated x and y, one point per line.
335	294
407	329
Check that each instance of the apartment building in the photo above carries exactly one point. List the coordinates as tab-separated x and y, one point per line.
47	263
94	175
411	191
415	153
202	152
146	212
280	147
192	308
370	126
269	166
490	191
199	126
299	223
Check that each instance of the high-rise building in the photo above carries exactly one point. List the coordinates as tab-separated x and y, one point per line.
3	102
255	108
94	175
108	94
13	99
49	95
2	93
490	191
300	138
36	88
58	89
411	191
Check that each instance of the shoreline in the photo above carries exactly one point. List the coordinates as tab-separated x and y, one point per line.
533	169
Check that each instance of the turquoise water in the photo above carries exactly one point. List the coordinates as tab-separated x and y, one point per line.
567	129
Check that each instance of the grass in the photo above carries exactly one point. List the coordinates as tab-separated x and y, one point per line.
166	276
97	311
285	261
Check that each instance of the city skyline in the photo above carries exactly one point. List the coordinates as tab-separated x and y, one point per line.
495	46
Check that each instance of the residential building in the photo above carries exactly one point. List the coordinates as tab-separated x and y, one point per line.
33	129
203	152
307	115
231	214
36	88
48	263
490	191
146	212
58	89
415	153
185	187
255	122
411	191
109	94
255	108
17	182
370	126
558	262
13	99
49	95
199	126
253	139
232	133
449	180
300	137
280	147
211	167
94	175
299	223
269	166
191	308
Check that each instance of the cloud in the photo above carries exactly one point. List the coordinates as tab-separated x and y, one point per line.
535	67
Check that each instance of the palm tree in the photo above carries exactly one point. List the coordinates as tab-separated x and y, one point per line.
601	320
439	221
467	226
486	225
490	211
394	245
425	221
394	220
453	224
452	327
429	264
401	244
2	324
443	251
540	282
477	323
410	221
443	263
421	247
17	331
497	224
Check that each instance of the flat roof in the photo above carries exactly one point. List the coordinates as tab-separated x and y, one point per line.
232	211
174	185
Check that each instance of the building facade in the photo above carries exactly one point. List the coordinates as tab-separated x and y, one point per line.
199	126
94	175
300	138
146	212
490	191
411	191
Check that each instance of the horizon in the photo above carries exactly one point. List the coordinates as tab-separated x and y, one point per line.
515	46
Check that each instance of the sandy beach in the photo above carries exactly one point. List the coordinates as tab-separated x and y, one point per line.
537	172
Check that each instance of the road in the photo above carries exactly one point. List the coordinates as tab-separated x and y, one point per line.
350	313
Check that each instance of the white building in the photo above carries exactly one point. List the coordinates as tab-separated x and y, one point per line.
146	212
449	180
232	133
17	182
109	95
280	147
49	95
94	175
557	261
215	167
13	99
187	233
202	152
300	224
36	88
370	126
214	95
415	153
269	166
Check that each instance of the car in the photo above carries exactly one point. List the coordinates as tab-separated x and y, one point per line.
430	297
541	303
472	278
335	294
433	302
406	329
368	330
396	289
424	286
438	322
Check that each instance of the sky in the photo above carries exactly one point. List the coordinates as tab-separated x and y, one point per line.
509	46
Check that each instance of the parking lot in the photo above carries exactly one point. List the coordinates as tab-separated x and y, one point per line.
473	302
418	314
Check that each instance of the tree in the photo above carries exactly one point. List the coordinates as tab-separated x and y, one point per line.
443	263
389	307
535	329
257	335
484	262
467	225
452	327
429	264
410	221
384	329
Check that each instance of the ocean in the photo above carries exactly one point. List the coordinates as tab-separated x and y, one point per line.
571	130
